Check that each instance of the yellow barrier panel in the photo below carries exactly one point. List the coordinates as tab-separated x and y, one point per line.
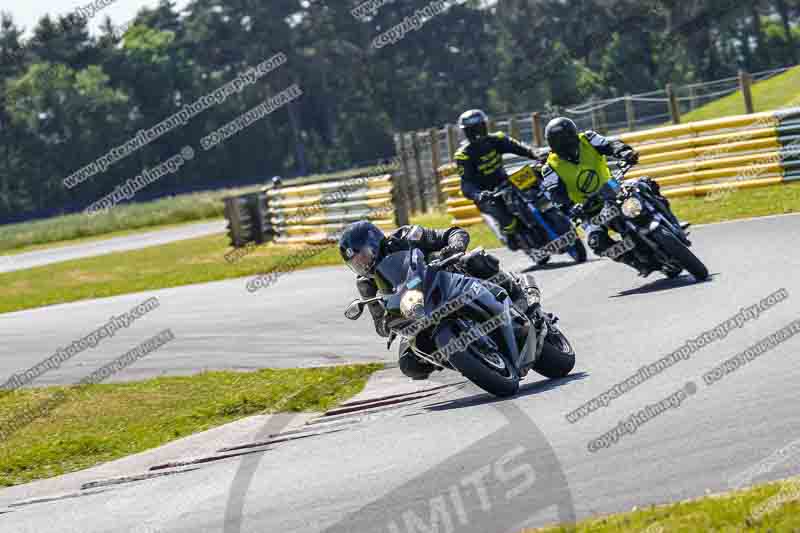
461	201
447	170
328	238
705	140
326	219
343	206
706	164
468	221
738	121
701	190
711	151
720	173
465	211
319	188
301	201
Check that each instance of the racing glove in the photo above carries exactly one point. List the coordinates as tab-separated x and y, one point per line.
484	197
576	211
444	253
630	156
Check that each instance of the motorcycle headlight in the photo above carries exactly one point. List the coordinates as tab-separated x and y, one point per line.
412	304
631	208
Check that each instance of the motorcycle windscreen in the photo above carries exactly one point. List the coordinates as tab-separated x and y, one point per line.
398	267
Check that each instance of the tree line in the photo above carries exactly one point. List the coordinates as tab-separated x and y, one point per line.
69	96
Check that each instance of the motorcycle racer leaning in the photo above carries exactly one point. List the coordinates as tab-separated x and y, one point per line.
479	161
363	245
576	168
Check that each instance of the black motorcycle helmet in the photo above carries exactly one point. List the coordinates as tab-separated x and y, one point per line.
276	181
562	136
474	123
360	247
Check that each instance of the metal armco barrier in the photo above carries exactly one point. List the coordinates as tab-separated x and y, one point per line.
693	159
312	214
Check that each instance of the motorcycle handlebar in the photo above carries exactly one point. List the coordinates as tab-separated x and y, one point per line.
441	263
622	167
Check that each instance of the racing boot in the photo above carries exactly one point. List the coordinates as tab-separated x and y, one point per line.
510	233
526	295
414	367
630	259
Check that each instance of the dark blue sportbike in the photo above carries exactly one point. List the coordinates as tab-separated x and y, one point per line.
462	323
545	230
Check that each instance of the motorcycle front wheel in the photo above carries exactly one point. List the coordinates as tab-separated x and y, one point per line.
557	358
676	249
489	369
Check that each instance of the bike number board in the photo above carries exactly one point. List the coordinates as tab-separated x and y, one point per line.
524	178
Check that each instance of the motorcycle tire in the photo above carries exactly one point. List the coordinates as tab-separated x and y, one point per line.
579	255
676	249
473	365
557	358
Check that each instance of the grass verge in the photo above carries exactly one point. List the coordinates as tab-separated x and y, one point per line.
5	254
69	229
778	91
773	507
202	260
194	207
100	423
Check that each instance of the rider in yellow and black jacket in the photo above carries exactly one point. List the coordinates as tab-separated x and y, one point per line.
480	165
576	168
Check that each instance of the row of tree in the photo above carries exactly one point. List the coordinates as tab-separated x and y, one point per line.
68	96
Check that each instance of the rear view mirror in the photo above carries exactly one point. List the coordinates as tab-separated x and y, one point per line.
354	310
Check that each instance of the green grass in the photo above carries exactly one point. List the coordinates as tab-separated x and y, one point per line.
178	209
203	259
782	90
99	237
736	204
100	423
773	507
70	229
170	265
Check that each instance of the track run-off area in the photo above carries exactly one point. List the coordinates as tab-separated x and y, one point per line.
456	459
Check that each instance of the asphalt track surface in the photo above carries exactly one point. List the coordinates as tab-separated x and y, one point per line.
459	458
11	263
